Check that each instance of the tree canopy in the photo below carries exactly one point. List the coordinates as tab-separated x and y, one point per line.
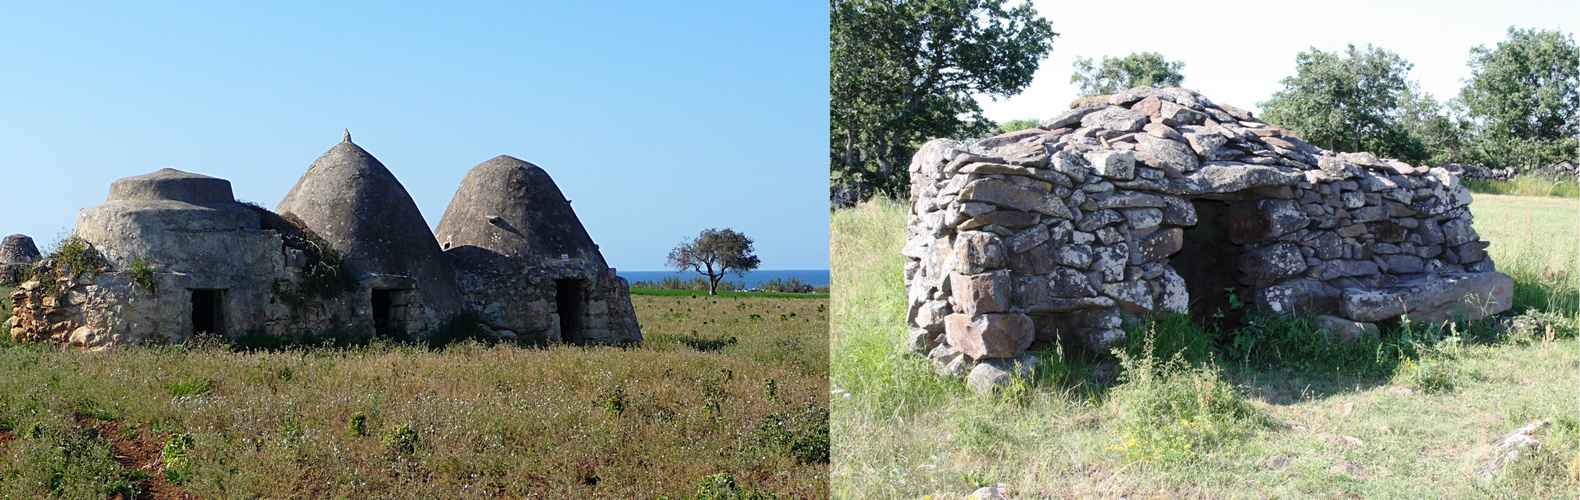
905	71
1116	74
1348	102
1524	96
714	253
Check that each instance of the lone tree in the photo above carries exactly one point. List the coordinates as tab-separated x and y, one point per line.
714	253
1115	74
905	71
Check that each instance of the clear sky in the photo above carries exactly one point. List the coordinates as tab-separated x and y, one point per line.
1236	52
658	119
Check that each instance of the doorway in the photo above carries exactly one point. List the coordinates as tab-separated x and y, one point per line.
1209	263
570	305
208	313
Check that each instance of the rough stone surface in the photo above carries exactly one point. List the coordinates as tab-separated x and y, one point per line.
1151	196
989	335
1347	330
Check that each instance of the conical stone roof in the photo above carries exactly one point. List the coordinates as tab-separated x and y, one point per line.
513	208
353	201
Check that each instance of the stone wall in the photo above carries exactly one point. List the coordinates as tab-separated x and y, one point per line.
1065	232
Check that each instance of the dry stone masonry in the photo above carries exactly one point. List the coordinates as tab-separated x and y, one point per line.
1158	199
347	246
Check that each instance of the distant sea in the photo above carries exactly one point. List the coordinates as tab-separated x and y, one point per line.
814	277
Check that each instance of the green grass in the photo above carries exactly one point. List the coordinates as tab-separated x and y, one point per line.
725	293
1524	186
1292	415
403	421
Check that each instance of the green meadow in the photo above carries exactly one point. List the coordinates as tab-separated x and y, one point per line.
726	398
1267	410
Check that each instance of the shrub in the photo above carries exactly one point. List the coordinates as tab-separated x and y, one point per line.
143	276
401	441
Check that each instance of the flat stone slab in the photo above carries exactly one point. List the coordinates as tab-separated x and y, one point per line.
1433	299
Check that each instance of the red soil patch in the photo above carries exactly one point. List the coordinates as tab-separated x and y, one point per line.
140	453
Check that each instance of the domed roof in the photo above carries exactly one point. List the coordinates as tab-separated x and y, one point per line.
512	207
350	198
18	249
172	184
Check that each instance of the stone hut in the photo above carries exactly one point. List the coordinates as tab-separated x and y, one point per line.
17	252
1159	199
207	266
525	262
355	203
172	254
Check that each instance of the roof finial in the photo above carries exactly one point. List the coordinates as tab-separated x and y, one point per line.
347	137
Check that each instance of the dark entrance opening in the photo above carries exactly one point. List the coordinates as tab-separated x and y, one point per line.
382	307
569	305
1210	263
207	313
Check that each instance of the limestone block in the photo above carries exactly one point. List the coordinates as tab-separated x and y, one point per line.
979	249
1098	219
993	374
1004	218
1067	283
1010	195
1075	255
1131	199
1115	118
1171	294
1433	299
1458	232
930	315
1265	220
989	335
1160	245
1347	330
1273	262
1142	220
1165	154
1112	164
1178	211
981	293
1134	296
1036	260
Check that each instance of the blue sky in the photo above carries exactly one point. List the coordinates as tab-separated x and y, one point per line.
656	120
1235	52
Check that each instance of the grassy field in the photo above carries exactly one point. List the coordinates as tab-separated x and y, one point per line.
1524	186
727	398
1412	416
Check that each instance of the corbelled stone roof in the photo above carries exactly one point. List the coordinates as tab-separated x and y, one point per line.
350	198
513	208
172	184
18	249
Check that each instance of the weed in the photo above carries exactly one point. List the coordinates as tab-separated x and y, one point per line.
402	441
614	402
191	386
143	276
358	425
176	457
1175	411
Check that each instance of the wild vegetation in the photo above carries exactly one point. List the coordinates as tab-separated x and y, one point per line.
1267	409
727	398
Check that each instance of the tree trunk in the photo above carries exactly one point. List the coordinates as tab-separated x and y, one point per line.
713	284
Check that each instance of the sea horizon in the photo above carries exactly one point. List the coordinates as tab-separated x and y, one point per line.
751	279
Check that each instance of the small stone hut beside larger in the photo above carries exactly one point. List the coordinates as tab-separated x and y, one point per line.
1159	199
174	254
